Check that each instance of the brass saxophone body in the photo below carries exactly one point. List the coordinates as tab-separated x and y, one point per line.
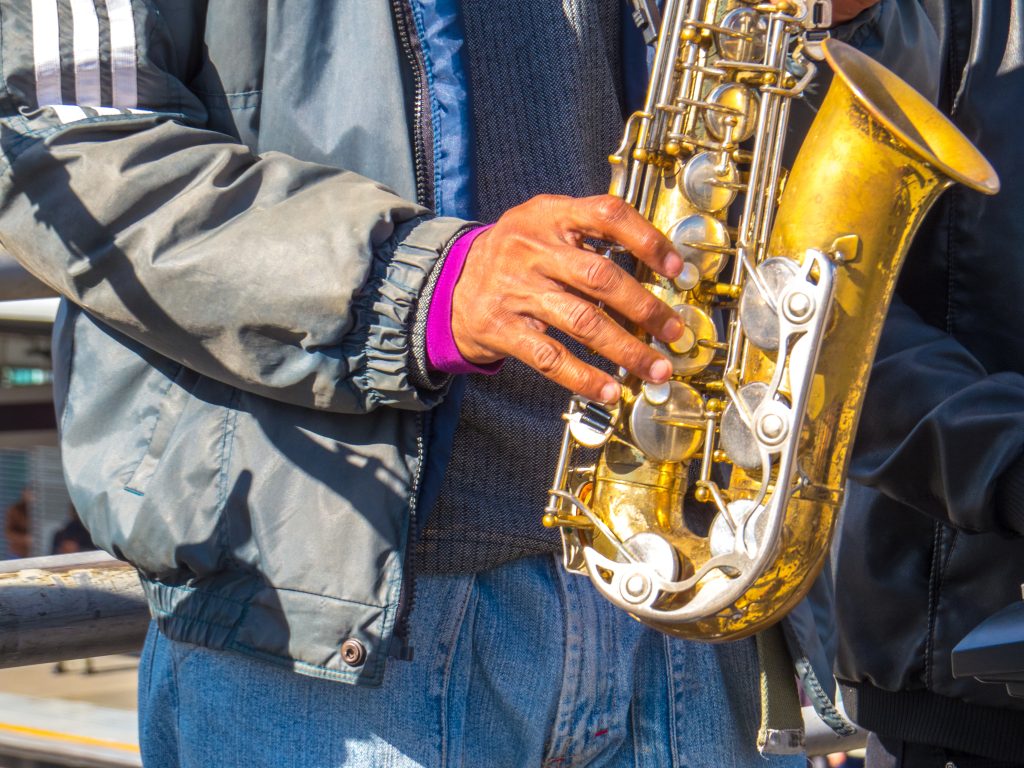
705	506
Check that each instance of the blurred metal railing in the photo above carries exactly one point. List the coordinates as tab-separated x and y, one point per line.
69	607
16	282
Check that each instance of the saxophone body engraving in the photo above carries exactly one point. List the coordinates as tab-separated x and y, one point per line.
704	506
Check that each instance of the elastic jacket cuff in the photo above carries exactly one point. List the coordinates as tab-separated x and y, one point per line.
389	313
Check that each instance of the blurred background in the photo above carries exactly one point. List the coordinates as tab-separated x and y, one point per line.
76	712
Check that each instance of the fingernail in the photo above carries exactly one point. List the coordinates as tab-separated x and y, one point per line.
672	329
660	370
673	264
610	392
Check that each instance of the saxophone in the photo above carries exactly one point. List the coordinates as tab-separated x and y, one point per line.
704	506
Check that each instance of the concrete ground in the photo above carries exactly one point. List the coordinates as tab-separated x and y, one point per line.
111	682
79	714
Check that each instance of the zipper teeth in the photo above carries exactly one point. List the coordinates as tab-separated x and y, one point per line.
424	172
422	155
407	593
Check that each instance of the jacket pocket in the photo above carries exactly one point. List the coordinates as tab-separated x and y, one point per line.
171	407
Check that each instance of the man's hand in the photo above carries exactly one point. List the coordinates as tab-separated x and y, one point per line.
531	271
844	10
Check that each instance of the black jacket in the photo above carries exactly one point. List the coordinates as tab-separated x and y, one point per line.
931	540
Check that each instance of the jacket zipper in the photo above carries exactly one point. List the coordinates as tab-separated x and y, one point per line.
423	164
401	648
422	130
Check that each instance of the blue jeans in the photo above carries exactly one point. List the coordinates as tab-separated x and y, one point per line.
520	666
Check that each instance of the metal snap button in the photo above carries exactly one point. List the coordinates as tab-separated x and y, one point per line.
353	652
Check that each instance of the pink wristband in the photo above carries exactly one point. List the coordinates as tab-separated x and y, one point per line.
442	352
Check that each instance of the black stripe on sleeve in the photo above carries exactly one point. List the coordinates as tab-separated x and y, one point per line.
67	52
106	71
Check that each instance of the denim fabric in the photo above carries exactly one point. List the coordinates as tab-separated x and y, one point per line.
521	665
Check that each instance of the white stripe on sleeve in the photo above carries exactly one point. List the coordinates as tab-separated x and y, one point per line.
46	50
68	113
87	51
122	53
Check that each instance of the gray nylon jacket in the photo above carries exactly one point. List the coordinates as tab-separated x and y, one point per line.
236	409
244	412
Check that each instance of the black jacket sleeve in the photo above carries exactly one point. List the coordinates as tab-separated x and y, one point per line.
939	433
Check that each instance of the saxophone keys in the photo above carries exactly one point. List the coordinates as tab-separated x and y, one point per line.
703	242
688	277
738	530
671	428
754	431
655	551
735	433
695	350
685	343
731	112
706	186
636	588
798	307
773	424
741	35
657	394
759	315
591	425
658	555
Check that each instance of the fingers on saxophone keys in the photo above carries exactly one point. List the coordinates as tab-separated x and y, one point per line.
610	218
603	280
551	359
591	326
